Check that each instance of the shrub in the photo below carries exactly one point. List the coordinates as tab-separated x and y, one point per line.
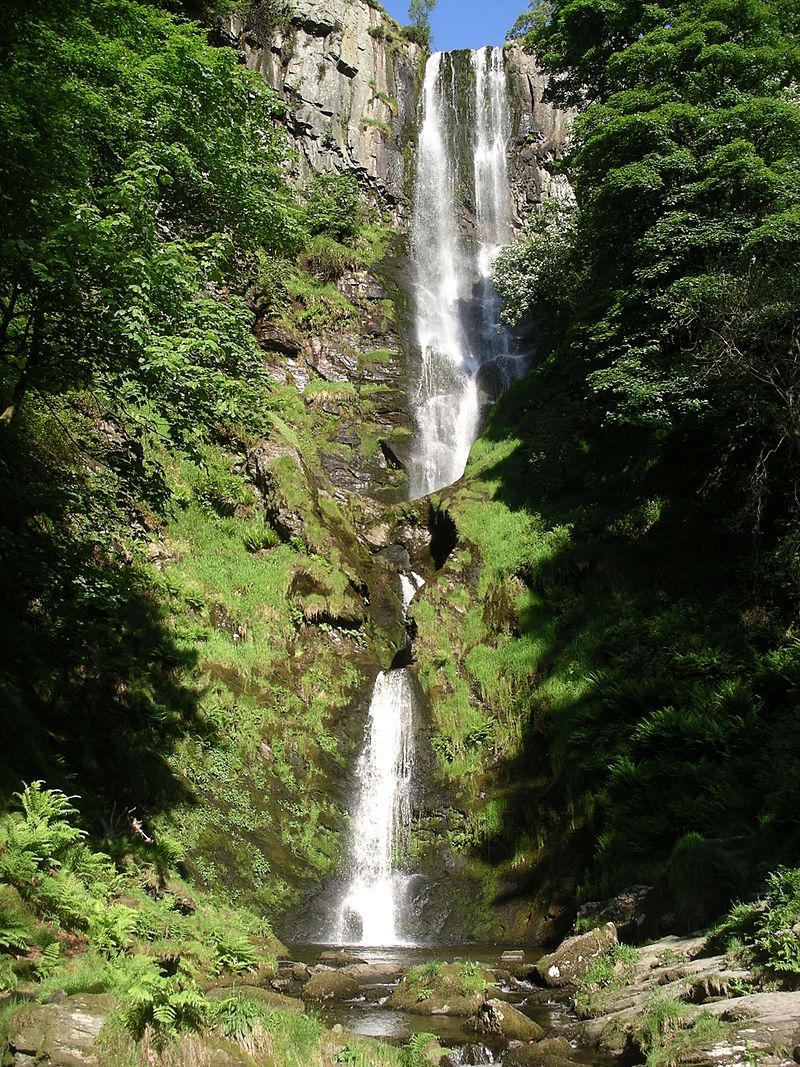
333	206
701	880
327	258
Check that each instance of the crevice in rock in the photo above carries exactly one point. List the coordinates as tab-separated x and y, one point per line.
444	535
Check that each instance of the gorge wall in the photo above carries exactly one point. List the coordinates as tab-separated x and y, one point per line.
353	85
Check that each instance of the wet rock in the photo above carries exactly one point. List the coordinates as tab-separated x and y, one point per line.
495	1017
514	955
623	910
338	958
571	960
274	337
328	984
535	1055
368	973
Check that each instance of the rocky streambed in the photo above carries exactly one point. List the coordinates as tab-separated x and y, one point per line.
591	1001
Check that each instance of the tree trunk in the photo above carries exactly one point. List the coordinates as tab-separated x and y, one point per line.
23	380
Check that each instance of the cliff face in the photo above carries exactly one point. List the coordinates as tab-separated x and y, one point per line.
538	133
352	85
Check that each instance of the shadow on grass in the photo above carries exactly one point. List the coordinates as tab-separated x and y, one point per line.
92	681
667	701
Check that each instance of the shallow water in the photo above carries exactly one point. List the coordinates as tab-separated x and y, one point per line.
369	1016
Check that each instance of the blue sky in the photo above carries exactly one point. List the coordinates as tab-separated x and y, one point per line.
465	23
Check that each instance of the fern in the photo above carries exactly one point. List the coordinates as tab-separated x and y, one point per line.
49	961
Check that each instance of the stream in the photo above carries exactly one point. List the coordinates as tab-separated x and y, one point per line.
369	1015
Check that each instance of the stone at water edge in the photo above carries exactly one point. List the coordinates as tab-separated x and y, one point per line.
513	955
496	1017
331	985
338	958
531	1055
573	957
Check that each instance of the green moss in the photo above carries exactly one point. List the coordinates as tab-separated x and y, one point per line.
377	124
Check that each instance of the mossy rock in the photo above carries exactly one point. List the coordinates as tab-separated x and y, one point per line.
61	1034
441	989
330	985
496	1017
268	998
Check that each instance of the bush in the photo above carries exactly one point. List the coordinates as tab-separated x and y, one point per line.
327	258
701	881
333	206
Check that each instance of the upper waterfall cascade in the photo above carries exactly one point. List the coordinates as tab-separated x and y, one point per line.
461	171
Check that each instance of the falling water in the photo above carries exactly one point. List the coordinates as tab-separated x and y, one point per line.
370	910
461	161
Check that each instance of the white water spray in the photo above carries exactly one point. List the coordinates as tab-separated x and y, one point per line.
458	314
371	910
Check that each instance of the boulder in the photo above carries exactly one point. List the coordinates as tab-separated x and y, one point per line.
568	965
550	1052
373	973
495	1017
625	909
330	985
535	1055
338	958
59	1034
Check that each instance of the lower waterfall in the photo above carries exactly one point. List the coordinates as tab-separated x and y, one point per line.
371	912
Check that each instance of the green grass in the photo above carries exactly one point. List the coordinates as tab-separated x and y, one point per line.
593	659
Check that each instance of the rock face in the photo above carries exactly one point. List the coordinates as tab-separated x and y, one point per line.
60	1034
538	134
570	961
351	81
352	84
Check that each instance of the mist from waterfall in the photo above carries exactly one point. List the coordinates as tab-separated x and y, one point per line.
461	161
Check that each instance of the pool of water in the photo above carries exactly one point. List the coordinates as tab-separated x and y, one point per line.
369	1015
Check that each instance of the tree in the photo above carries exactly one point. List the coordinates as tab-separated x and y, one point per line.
685	162
139	174
419	12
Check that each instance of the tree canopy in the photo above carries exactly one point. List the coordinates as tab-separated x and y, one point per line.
139	172
675	280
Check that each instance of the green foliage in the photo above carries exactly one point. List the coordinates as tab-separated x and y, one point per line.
669	1032
333	206
164	1004
763	931
611	971
150	158
473	977
675	284
419	12
327	258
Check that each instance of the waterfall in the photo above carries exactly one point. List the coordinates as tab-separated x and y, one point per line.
461	161
371	910
461	171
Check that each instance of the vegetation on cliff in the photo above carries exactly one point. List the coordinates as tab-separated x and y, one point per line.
186	602
612	656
